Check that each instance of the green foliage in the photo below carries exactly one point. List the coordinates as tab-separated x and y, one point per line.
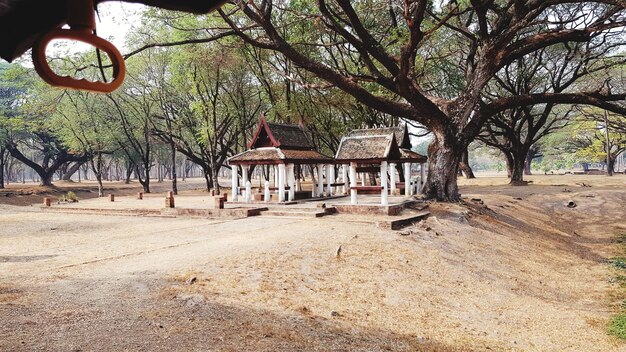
71	197
617	326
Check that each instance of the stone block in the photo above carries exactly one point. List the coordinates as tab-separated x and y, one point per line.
218	202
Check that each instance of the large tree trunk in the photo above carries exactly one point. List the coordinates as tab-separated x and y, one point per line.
517	173
443	165
464	165
528	163
215	180
67	175
3	161
173	170
207	178
610	167
510	163
46	178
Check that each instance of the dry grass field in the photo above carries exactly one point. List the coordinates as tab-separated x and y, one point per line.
509	269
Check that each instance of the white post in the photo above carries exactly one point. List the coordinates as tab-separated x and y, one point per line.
362	178
422	178
392	177
248	192
291	181
275	175
330	178
313	185
383	182
320	180
281	182
299	180
353	194
244	181
266	194
344	179
407	179
234	185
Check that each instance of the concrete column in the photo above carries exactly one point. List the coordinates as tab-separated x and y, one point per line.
291	181
392	177
422	178
299	180
320	180
330	178
313	185
362	178
353	193
281	182
383	182
234	181
344	179
266	193
407	179
275	175
244	180
248	192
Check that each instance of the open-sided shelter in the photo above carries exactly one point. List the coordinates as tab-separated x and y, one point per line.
380	150
282	146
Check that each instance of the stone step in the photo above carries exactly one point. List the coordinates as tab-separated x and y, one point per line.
401	221
300	212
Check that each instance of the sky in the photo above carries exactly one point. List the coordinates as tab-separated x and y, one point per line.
115	20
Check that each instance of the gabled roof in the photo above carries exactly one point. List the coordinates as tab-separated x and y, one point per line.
276	135
368	148
411	156
400	133
272	155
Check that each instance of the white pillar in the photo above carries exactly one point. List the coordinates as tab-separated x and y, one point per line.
234	185
244	181
392	177
299	180
407	179
422	178
353	194
275	175
330	178
266	193
362	178
248	192
344	178
320	180
281	182
291	181
313	185
383	182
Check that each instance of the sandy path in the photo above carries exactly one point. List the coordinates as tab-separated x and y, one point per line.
496	278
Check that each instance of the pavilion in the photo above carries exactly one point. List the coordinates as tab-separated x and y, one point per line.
284	147
380	150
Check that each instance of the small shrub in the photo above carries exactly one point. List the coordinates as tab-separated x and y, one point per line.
71	197
617	327
62	198
618	262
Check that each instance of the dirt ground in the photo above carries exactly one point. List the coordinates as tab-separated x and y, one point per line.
510	269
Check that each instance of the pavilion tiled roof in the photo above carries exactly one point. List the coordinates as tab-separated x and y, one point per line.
290	136
400	133
272	155
368	148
